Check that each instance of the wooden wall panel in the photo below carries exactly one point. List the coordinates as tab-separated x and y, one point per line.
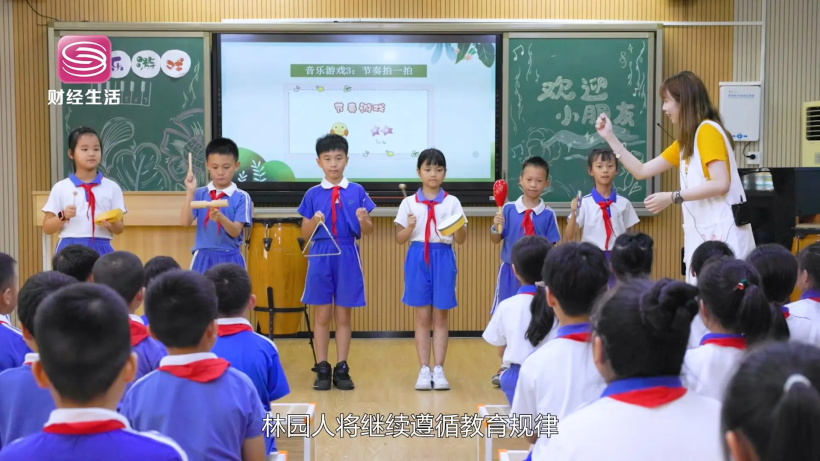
8	154
705	50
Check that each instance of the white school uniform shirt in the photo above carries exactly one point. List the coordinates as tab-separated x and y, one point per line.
449	206
686	429
591	220
707	369
807	308
803	330
508	327
697	331
108	197
557	379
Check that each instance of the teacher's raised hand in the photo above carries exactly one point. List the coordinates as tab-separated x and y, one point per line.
604	127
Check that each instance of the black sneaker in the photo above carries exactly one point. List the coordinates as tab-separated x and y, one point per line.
322	382
341	376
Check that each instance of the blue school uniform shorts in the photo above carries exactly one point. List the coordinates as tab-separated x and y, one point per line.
100	245
336	280
508	380
207	258
433	284
506	285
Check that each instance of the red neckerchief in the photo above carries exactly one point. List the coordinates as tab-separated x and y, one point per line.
724	340
577	332
215	195
646	392
232	329
335	198
431	218
89	195
785	311
84	427
604	203
529	227
138	332
201	371
527	290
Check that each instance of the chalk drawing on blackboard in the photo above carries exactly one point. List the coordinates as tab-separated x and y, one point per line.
188	135
520	103
640	88
518	49
189	96
537	77
529	62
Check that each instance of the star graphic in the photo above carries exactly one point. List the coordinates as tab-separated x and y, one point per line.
374	131
387	130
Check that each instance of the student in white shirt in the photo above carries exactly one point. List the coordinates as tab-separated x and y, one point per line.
508	325
560	376
808	281
738	315
639	339
772	406
75	202
706	251
632	256
777	267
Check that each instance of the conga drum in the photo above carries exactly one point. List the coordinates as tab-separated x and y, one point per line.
804	235
275	260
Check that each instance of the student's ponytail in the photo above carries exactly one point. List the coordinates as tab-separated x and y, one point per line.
542	315
757	319
796	422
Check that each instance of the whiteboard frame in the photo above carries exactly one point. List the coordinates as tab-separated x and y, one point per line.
58	141
654	35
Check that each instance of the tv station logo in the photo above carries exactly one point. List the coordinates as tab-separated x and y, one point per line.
85	60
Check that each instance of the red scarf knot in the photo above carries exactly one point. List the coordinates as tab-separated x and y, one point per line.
529	227
215	195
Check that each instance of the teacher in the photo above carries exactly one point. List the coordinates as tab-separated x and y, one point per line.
709	181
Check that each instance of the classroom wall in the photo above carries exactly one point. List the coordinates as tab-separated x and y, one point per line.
707	51
8	154
791	72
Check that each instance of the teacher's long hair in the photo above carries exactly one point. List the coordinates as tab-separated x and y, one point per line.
695	107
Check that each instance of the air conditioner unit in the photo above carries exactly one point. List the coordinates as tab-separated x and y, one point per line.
810	134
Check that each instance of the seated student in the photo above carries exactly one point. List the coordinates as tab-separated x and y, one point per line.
25	406
639	338
85	362
508	325
560	376
249	352
153	268
632	256
75	260
211	409
706	251
808	281
778	274
123	272
13	348
772	411
738	315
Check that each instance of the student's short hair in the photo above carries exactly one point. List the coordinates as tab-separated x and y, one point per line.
180	305
632	256
121	271
76	261
233	288
222	146
605	155
35	290
432	157
7	271
84	339
536	162
773	399
158	265
707	250
808	259
330	143
644	326
777	267
528	255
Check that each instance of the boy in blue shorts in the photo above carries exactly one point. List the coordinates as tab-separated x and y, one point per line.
85	362
334	284
218	230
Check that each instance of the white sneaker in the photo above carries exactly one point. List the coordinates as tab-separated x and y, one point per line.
440	383
425	381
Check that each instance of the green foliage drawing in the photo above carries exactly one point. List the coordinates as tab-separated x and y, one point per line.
258	171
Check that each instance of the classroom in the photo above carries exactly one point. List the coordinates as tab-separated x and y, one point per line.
446	113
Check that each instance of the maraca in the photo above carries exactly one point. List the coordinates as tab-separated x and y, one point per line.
500	195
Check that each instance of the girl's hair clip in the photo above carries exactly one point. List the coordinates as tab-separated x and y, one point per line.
540	284
742	284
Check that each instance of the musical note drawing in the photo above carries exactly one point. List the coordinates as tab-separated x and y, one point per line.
515	54
529	61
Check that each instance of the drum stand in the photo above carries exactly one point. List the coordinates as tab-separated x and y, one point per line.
271	309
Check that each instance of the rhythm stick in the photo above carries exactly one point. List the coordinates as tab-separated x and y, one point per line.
500	195
209	204
74	200
403	188
190	164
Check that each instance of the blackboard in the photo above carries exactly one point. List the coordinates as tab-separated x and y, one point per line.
556	87
159	119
